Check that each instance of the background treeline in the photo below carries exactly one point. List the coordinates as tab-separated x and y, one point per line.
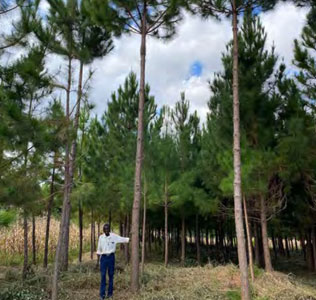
58	159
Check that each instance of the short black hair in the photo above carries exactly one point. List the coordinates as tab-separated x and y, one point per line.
106	224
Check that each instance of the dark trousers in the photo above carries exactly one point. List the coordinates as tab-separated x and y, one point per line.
107	264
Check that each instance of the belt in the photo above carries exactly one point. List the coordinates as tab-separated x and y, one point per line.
109	254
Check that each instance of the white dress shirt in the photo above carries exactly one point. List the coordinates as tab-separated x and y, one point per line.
107	244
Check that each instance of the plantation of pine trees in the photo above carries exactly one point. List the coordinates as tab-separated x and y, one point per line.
221	207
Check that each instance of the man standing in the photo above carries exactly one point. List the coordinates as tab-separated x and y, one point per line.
106	252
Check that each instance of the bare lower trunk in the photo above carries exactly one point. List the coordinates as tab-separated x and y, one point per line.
26	256
166	223
49	212
241	246
91	236
139	161
309	251
197	239
287	248
144	231
33	240
182	239
80	216
126	248
249	240
265	241
61	257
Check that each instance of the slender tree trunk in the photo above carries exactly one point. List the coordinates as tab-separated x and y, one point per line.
80	216
49	211
197	239
33	240
287	247
281	246
296	245
249	239
166	223
139	160
264	232
25	262
309	251
182	239
274	246
241	246
63	238
257	246
126	248
144	229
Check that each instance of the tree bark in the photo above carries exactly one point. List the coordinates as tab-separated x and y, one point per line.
287	247
249	239
241	247
33	240
166	223
144	229
25	262
264	233
49	211
91	236
139	160
309	251
80	216
197	240
182	239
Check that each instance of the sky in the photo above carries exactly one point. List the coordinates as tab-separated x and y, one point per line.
190	59
187	62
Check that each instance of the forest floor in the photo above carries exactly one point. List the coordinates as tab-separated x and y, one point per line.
81	282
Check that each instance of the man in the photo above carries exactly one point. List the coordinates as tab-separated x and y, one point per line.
106	252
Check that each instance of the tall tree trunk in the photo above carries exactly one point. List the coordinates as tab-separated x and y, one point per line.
257	246
127	229
241	246
139	160
80	216
144	229
33	240
274	246
264	233
183	237
309	251
49	211
249	239
25	262
61	257
287	247
197	239
166	223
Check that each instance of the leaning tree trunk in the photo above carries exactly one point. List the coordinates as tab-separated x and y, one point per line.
249	239
264	232
144	229
139	161
166	224
33	240
49	212
241	246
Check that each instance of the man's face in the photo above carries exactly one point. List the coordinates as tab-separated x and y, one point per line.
106	229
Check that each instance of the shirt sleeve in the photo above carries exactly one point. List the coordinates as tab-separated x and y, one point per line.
99	250
120	239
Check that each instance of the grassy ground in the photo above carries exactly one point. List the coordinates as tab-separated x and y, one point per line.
81	282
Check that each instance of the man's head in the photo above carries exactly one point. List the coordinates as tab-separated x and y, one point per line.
106	229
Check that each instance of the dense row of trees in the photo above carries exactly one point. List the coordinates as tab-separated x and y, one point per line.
56	158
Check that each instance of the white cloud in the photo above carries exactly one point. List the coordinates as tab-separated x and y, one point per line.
168	63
